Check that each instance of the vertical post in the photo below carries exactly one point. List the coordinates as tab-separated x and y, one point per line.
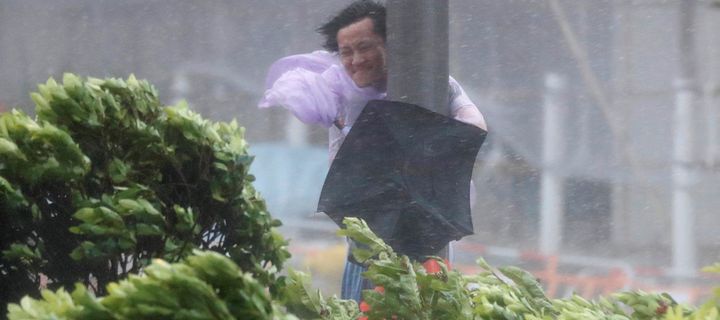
417	56
417	52
683	215
180	87
551	194
296	132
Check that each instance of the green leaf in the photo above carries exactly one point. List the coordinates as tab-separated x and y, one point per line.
90	215
21	252
130	206
10	150
118	171
143	229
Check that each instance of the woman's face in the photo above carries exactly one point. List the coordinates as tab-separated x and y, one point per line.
362	53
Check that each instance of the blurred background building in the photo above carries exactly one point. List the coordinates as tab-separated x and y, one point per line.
603	162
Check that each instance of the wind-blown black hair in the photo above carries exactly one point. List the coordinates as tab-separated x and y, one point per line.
355	12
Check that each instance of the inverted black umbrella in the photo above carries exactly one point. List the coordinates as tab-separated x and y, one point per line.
406	171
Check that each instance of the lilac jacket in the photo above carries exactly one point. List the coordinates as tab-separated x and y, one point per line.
317	90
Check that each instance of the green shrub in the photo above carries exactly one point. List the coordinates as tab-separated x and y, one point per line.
106	179
206	285
210	286
410	292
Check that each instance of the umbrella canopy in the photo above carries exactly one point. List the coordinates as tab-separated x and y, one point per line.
406	171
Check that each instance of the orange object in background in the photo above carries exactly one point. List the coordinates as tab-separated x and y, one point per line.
432	266
364	307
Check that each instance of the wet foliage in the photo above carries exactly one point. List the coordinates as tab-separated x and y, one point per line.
206	285
105	178
211	286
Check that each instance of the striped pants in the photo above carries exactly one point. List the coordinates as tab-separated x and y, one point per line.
353	282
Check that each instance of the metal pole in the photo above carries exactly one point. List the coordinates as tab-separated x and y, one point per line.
417	56
684	176
552	199
417	52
